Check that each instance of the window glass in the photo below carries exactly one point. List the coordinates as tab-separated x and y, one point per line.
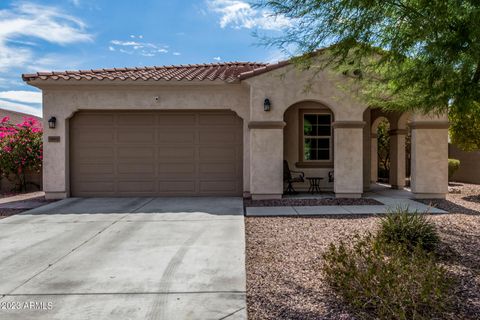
317	133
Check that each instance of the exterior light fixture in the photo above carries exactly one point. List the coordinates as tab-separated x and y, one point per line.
52	122
267	105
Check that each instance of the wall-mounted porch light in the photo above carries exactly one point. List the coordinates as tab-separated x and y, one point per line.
52	122
267	105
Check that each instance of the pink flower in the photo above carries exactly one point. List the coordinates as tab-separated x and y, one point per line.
5	120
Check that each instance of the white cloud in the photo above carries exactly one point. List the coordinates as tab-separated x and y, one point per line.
240	14
39	22
20	107
146	49
22	96
125	43
217	58
176	53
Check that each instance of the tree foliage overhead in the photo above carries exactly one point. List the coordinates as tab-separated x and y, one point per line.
427	52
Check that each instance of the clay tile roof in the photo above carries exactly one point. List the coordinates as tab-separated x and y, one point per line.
228	71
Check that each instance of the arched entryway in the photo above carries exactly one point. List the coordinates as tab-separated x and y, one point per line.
389	148
308	143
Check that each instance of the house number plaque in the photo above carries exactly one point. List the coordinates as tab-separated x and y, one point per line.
53	139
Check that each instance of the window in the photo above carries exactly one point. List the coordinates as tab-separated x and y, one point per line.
317	137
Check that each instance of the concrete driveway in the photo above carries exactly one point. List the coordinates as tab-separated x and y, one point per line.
125	258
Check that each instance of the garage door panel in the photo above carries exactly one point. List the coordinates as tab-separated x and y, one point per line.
216	119
174	187
136	135
132	168
95	136
135	119
182	135
217	171
174	168
217	153
180	154
218	187
216	137
177	119
136	187
146	153
93	119
156	153
91	187
85	154
96	169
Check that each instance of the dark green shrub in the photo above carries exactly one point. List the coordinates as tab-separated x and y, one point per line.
453	165
399	285
399	227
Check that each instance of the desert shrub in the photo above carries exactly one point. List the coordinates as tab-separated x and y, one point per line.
453	165
400	227
21	150
400	284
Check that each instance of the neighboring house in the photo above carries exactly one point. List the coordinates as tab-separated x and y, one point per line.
221	130
35	178
469	170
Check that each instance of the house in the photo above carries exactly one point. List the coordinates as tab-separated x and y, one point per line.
223	130
34	178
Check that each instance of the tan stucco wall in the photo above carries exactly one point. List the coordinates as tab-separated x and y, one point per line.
288	86
284	87
264	146
469	170
63	101
429	156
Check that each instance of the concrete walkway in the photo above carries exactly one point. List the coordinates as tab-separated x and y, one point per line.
390	199
126	258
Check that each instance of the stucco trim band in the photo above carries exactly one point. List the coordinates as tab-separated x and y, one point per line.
348	124
429	125
266	124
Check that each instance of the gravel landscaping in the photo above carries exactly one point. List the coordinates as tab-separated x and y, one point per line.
284	259
289	202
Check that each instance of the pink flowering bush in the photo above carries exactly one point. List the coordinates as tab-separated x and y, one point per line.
21	150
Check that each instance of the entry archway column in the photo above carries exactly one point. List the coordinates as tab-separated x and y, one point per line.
397	158
266	159
348	162
374	158
429	156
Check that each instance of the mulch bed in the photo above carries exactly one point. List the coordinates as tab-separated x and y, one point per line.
284	261
289	202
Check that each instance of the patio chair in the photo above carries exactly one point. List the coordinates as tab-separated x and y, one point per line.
331	176
289	178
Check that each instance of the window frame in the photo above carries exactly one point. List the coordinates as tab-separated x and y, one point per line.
303	163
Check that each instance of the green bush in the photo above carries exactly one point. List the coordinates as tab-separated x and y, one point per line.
396	285
411	230
453	165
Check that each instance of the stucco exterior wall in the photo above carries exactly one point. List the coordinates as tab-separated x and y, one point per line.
266	141
429	156
288	86
469	170
63	101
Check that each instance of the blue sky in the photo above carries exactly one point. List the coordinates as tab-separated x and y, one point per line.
46	35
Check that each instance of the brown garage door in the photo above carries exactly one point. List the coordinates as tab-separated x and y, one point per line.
158	153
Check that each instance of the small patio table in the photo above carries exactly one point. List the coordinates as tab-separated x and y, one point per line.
314	184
